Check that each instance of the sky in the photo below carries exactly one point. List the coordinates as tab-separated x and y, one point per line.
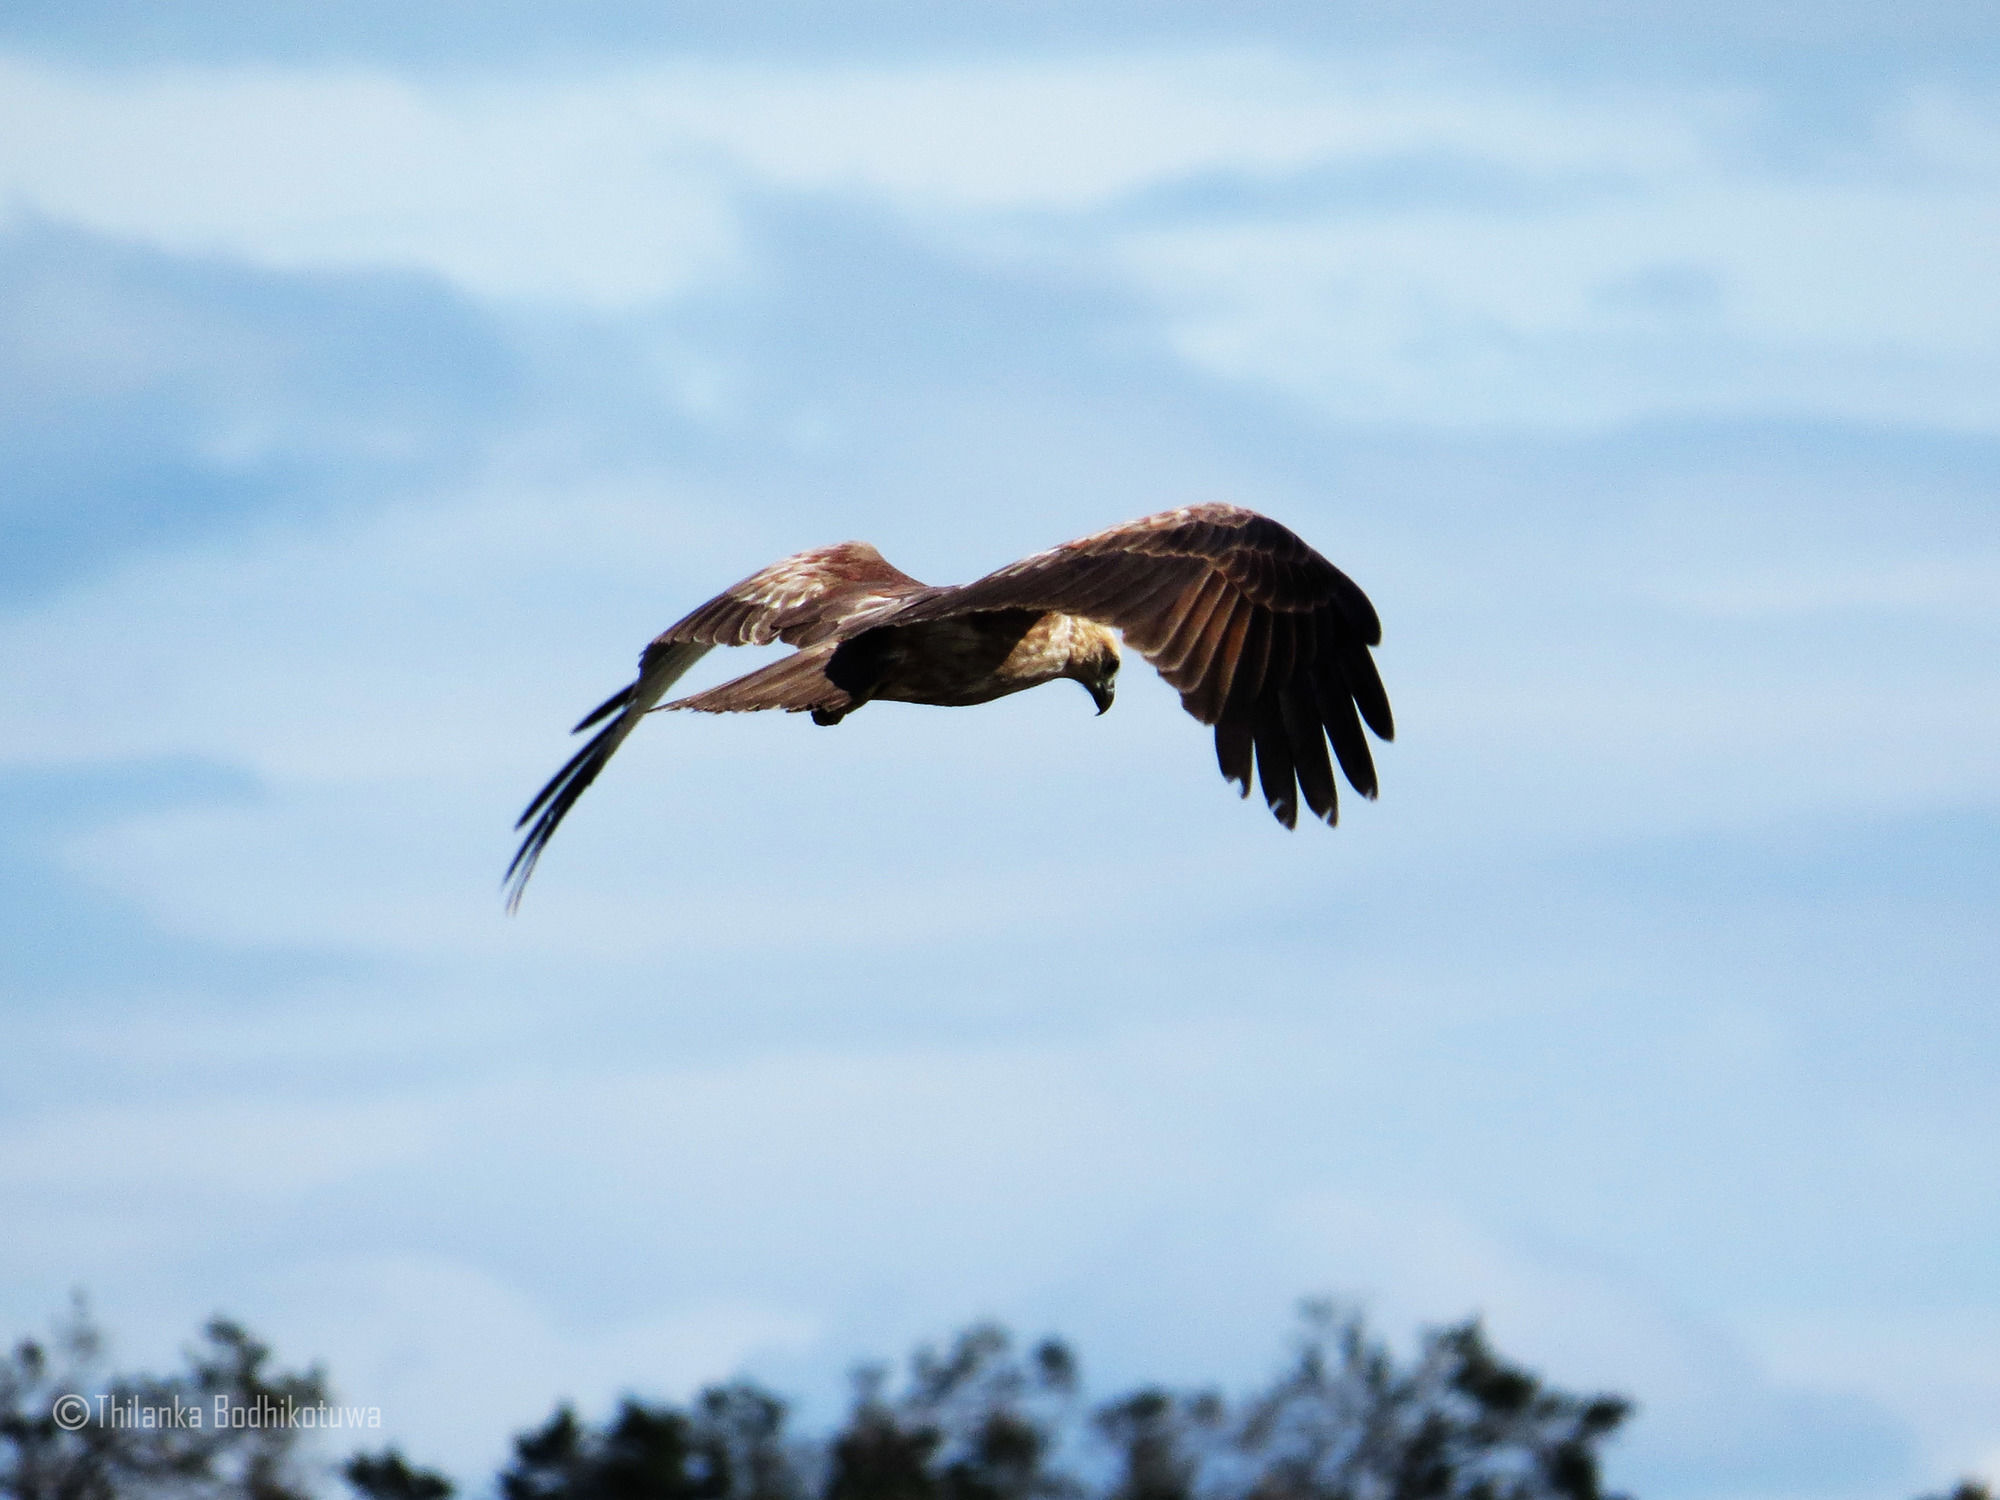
375	380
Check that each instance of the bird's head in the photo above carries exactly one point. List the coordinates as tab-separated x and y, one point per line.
1095	663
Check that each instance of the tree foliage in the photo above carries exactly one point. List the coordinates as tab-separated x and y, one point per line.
204	1433
728	1446
973	1423
976	1419
1343	1421
388	1476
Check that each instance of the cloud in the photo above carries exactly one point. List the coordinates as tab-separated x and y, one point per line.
64	939
147	400
1811	297
547	193
1859	290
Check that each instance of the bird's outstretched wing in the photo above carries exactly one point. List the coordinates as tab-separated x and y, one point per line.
801	600
1265	639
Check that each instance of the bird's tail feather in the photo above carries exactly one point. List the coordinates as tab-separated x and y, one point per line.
660	668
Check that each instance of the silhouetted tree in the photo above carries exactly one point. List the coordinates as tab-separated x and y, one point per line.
976	1420
1164	1442
729	1447
42	1458
973	1423
740	1441
387	1476
1345	1423
210	1431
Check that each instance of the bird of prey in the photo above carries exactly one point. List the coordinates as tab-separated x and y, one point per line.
1265	640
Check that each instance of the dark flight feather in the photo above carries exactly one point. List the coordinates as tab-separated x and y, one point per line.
1274	765
1232	753
1309	758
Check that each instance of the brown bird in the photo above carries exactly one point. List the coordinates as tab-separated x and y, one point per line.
1264	638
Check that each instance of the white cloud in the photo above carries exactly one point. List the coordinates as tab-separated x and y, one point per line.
1867	294
1872	302
539	194
1072	134
609	188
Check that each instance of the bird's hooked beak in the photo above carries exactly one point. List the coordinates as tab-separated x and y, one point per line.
1101	693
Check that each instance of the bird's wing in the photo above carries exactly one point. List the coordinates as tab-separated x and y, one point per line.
797	683
802	600
1265	639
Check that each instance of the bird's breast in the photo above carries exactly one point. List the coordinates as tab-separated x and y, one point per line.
954	663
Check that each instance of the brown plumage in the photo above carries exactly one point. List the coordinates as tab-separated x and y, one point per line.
1264	639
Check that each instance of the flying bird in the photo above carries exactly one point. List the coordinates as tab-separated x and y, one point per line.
1265	640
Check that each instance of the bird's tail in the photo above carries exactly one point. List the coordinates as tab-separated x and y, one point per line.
659	668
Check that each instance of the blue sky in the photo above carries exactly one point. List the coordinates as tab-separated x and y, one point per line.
374	383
